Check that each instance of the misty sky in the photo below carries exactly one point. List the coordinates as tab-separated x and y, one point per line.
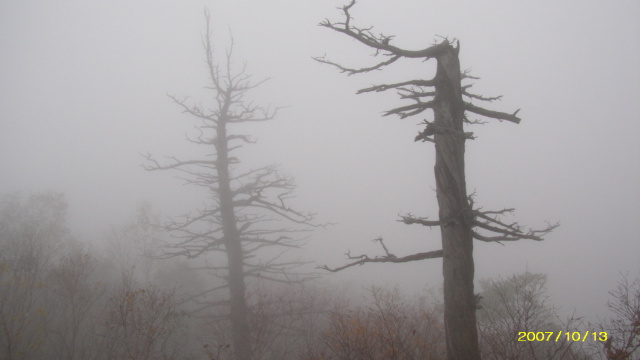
83	89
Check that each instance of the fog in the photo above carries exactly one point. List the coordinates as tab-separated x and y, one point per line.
84	89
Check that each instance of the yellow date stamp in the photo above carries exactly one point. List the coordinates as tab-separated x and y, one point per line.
563	336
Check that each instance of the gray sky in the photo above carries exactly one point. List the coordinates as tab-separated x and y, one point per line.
84	87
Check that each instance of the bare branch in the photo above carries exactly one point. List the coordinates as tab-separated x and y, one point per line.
414	94
350	71
386	251
153	164
492	114
383	87
194	109
505	231
387	258
363	259
479	97
380	42
410	110
410	219
466	74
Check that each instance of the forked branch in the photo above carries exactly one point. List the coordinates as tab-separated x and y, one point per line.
387	258
502	231
382	45
380	42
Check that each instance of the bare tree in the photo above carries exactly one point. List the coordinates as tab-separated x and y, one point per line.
518	304
459	221
72	303
623	324
31	233
244	214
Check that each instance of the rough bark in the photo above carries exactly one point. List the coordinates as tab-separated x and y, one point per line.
240	334
451	190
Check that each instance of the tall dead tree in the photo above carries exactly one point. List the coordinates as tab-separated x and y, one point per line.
245	207
459	221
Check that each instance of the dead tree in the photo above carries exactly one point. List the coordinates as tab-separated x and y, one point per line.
459	221
246	207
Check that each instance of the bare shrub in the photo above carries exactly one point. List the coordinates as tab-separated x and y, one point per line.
623	324
285	321
520	304
142	322
389	328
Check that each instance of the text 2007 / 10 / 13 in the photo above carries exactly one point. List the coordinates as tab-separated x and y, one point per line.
562	335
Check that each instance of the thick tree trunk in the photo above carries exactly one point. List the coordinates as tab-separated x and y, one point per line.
240	334
451	189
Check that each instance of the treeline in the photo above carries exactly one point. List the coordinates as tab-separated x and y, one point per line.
60	300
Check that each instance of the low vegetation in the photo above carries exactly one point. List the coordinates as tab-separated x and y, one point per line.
60	301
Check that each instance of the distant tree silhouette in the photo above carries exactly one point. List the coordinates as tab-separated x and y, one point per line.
459	221
245	207
32	231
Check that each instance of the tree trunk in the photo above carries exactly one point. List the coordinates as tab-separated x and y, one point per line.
451	190
240	335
